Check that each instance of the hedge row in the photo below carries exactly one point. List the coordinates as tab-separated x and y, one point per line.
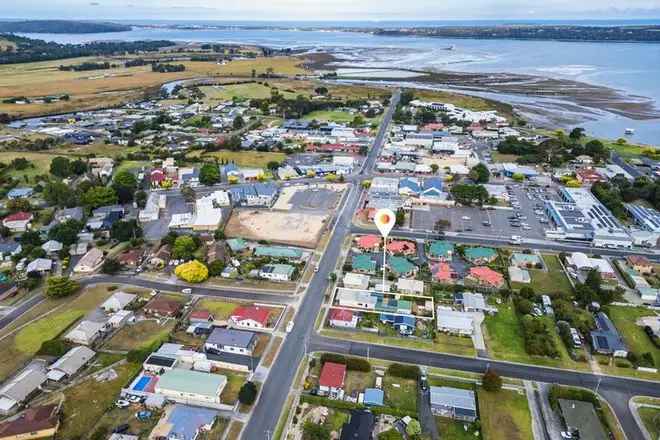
352	363
404	371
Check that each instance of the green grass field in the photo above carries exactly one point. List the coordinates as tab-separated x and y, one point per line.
221	310
234	383
443	343
242	92
552	280
651	419
253	159
454	430
625	319
29	339
400	393
142	334
504	415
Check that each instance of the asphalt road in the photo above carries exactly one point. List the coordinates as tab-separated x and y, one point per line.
19	310
275	390
616	390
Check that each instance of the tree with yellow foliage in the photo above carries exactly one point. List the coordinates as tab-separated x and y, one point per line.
192	271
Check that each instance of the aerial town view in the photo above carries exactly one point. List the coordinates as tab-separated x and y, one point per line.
306	220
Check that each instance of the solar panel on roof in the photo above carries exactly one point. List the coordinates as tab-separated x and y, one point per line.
602	342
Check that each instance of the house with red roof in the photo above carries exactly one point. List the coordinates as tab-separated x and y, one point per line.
18	221
640	264
33	423
485	276
200	316
250	316
163	308
401	247
588	176
443	273
157	177
369	242
331	382
342	318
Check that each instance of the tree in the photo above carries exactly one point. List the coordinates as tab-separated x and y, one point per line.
209	174
467	194
57	193
16	205
400	217
434	168
59	287
110	266
61	167
479	173
125	230
392	434
597	150
518	177
576	134
66	232
193	271
273	165
124	184
315	431
238	123
99	196
414	428
491	381
248	393
141	198
594	280
31	238
183	248
216	267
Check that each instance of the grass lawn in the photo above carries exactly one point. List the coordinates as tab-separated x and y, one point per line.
331	116
234	430
140	335
454	430
86	403
268	359
440	381
504	415
624	319
117	416
651	419
501	158
400	393
442	344
336	419
234	383
358	381
255	159
130	165
627	150
221	310
552	280
504	339
39	164
17	348
241	91
217	431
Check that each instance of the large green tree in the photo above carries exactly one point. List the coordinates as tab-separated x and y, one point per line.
59	287
57	193
66	232
124	184
126	230
99	196
479	173
467	194
184	246
61	167
209	174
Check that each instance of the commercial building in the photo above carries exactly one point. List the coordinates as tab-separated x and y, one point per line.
646	218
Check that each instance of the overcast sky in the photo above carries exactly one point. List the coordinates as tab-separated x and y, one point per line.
329	9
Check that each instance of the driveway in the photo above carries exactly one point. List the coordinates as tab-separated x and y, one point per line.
426	418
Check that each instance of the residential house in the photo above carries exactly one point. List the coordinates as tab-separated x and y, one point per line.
278	252
18	222
342	318
151	210
191	387
454	321
640	264
277	272
410	286
584	263
369	242
401	247
401	266
231	341
581	420
473	302
441	250
52	247
199	316
70	363
130	258
237	245
39	265
443	273
359	427
526	261
518	275
38	422
118	301
409	186
588	176
250	317
364	263
455	403
606	338
331	381
183	422
480	255
486	277
85	333
20	388
405	325
66	214
264	195
120	318
157	363
90	262
161	257
359	299
19	193
8	249
356	281
163	308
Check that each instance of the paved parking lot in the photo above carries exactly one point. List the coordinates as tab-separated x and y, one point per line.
157	229
495	222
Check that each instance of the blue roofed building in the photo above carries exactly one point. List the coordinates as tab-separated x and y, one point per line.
405	325
278	252
184	422
19	193
606	338
409	186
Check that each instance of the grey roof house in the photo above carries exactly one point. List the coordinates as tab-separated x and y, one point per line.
454	403
231	341
606	338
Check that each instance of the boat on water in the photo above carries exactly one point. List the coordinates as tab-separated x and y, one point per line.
630	131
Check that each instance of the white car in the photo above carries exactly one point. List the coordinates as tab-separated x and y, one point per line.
465	217
122	403
187	291
289	326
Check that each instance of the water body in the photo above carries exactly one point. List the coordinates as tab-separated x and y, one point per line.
633	68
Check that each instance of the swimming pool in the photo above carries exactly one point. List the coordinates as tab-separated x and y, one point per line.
142	383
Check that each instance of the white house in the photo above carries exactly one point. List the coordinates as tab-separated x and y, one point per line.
85	333
356	281
120	318
358	299
90	262
191	387
118	301
455	322
18	222
410	286
69	364
40	265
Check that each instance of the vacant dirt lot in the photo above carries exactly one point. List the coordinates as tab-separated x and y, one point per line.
295	229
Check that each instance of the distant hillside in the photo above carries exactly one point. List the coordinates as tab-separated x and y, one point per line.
61	27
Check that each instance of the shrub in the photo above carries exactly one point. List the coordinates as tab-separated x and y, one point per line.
404	371
491	381
352	363
248	393
53	347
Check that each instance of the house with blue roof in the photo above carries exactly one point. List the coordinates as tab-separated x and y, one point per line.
401	266
373	397
432	187
480	255
441	250
404	324
409	186
185	422
264	195
364	263
19	193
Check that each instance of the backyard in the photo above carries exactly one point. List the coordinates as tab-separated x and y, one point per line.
400	393
625	319
553	279
140	335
